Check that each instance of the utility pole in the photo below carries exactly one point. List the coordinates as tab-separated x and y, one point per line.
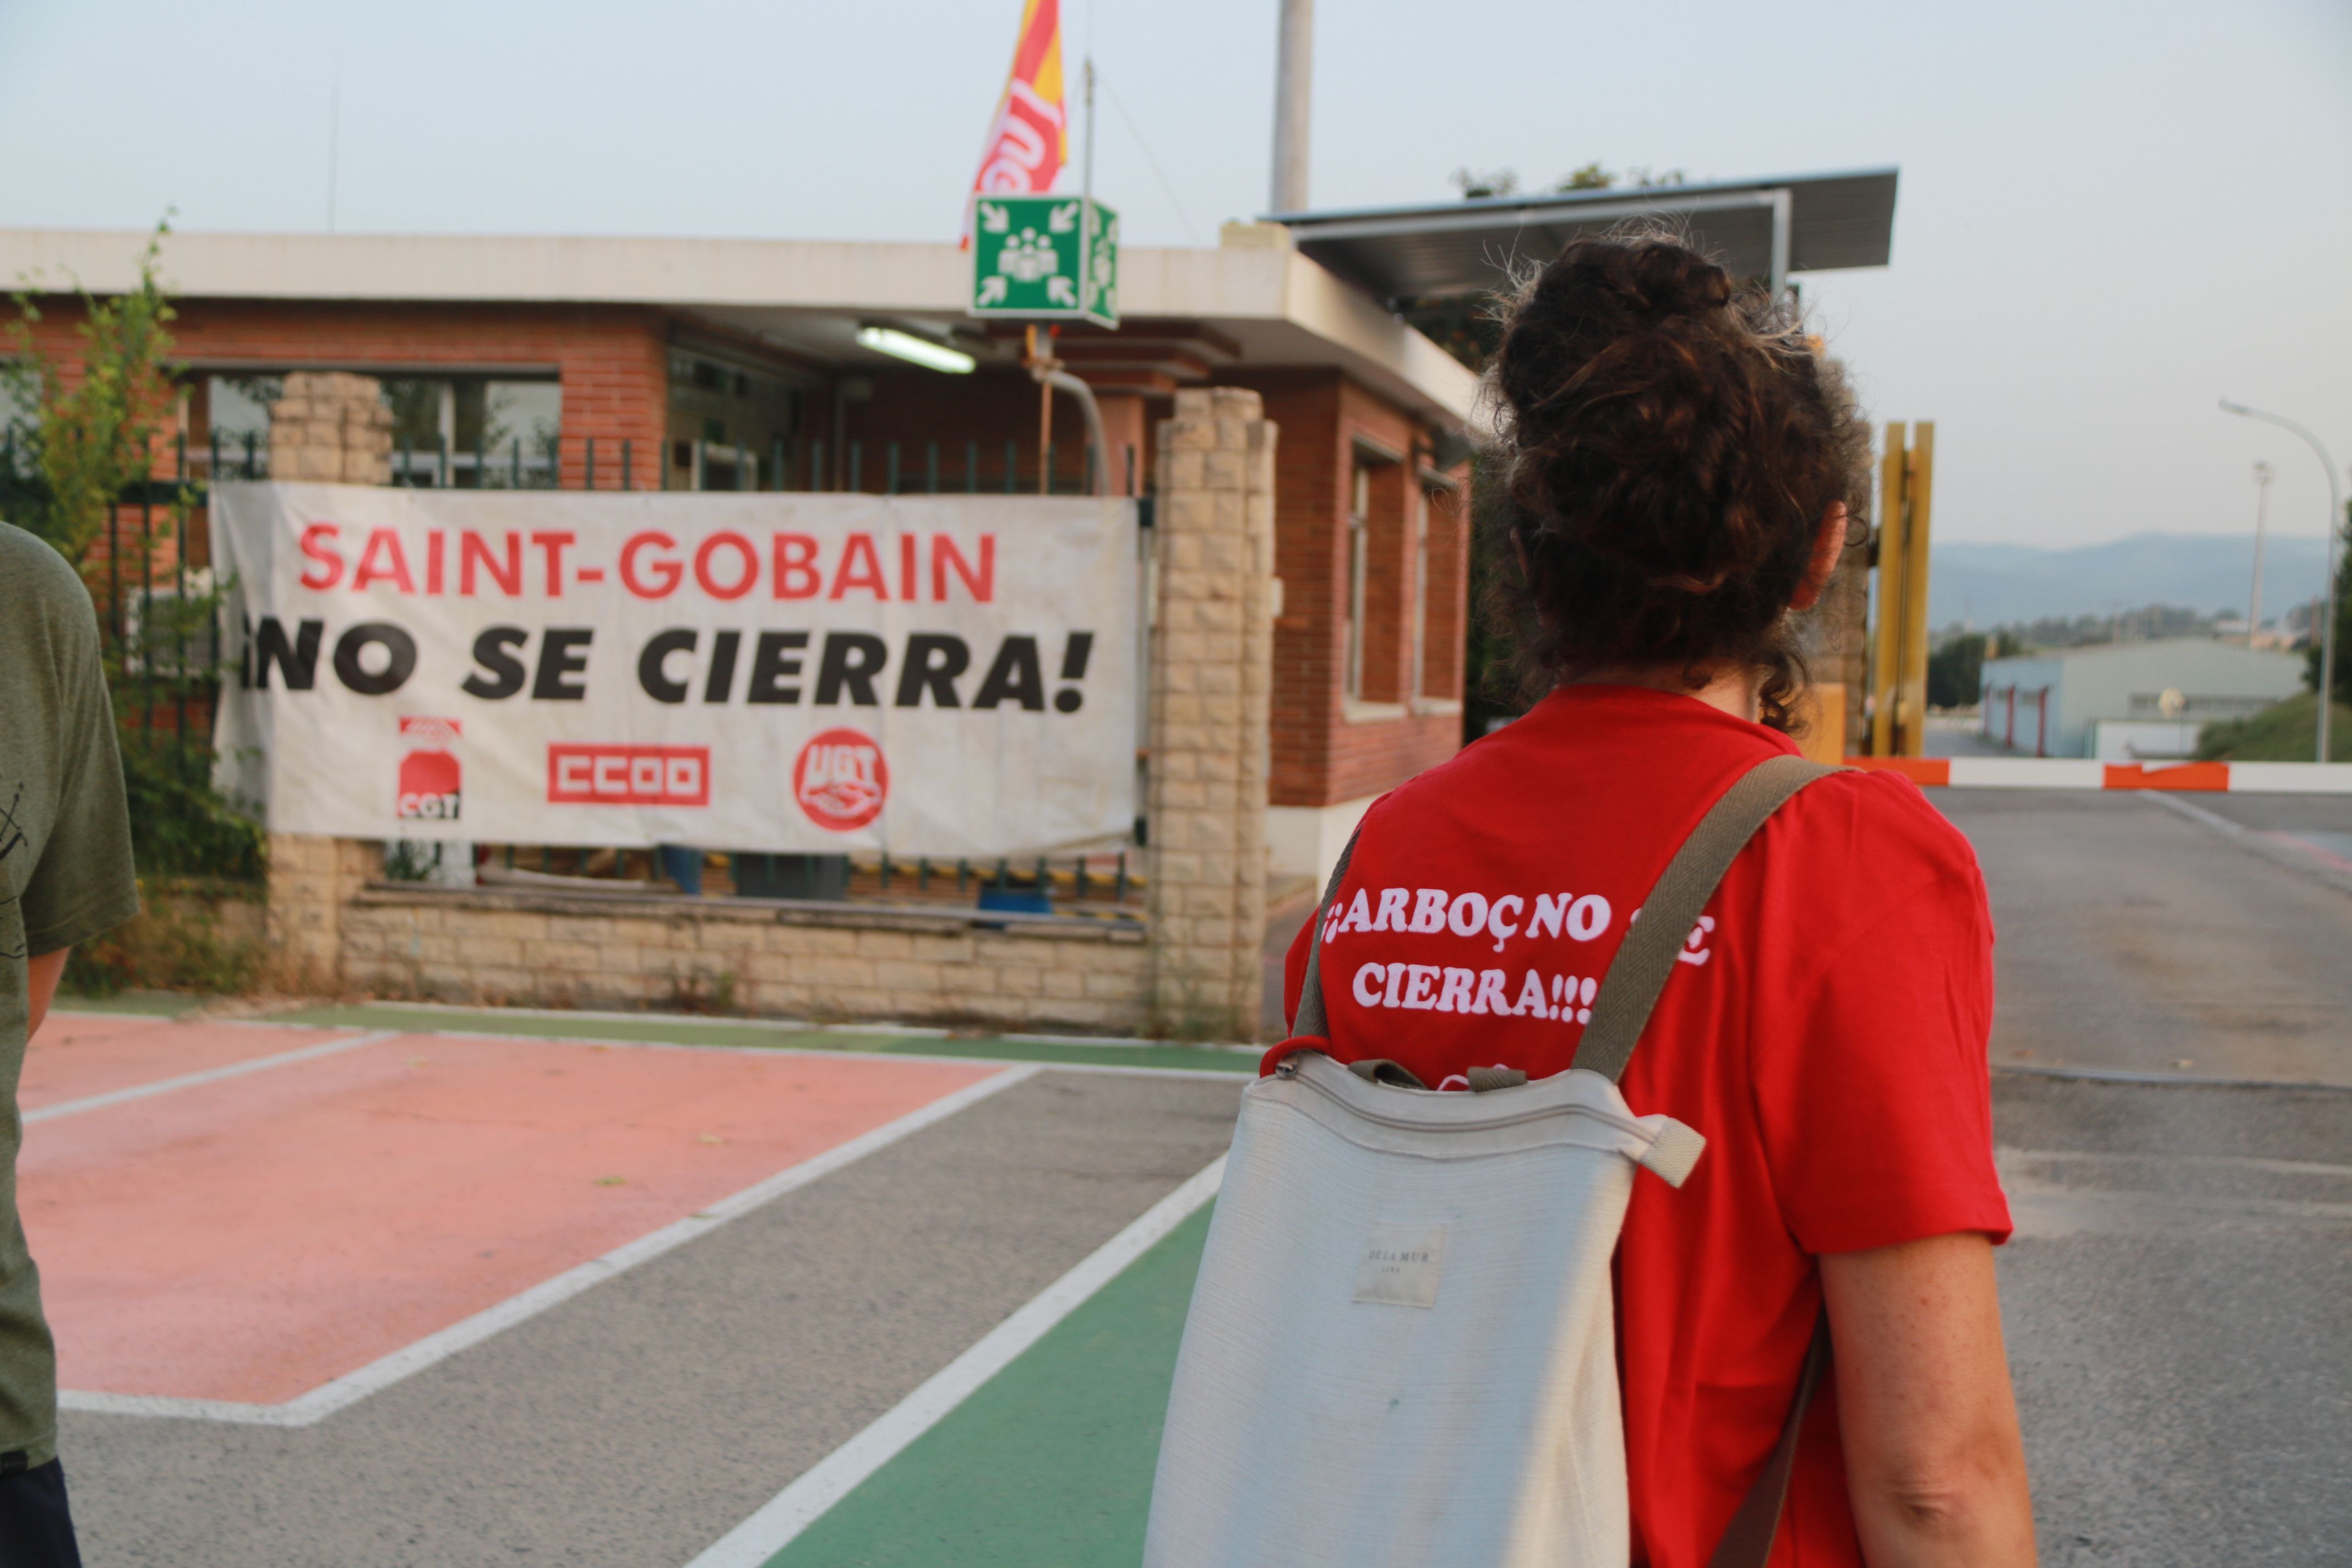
2335	531
2262	513
1293	78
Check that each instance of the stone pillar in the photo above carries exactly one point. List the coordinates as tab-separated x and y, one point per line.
310	881
1211	668
329	426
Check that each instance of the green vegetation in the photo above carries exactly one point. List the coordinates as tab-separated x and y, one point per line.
184	938
2285	732
90	425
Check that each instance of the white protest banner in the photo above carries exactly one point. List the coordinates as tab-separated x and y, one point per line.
799	673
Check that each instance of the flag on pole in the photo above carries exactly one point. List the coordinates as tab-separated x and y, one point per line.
1028	142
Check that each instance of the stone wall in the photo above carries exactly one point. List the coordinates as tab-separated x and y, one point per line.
546	949
312	882
1212	662
328	424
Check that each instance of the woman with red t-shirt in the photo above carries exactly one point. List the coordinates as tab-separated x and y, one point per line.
1681	470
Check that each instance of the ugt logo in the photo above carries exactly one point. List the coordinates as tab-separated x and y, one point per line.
429	783
841	780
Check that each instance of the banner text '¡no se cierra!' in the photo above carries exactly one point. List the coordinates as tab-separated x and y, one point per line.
652	564
851	668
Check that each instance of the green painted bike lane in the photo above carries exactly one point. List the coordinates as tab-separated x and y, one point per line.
1047	1464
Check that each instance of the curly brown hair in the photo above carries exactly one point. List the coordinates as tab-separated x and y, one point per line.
1670	442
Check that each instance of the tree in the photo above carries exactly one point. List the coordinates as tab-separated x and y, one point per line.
90	433
1478	187
1956	671
2313	649
89	426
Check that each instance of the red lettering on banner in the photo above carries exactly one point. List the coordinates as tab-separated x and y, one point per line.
860	547
666	572
796	565
317	544
908	547
709	580
472	551
552	545
586	774
944	555
382	546
433	553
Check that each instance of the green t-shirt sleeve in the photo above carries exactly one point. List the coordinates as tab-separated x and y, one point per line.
84	882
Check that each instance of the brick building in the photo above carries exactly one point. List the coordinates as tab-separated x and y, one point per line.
727	364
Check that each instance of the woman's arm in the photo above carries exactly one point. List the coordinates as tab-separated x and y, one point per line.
1933	1457
41	973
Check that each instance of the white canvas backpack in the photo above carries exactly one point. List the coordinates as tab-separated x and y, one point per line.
1401	1348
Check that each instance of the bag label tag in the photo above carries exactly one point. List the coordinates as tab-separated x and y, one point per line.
1402	1264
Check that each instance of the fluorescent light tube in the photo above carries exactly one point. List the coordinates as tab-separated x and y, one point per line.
919	351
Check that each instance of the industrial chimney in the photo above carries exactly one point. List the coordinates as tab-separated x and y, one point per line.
1294	76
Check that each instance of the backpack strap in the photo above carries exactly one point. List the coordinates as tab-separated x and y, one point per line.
1620	1012
1747	1539
1654	944
1310	1018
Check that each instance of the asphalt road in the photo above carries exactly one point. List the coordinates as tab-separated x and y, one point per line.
2135	935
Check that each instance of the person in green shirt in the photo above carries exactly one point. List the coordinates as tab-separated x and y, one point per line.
66	876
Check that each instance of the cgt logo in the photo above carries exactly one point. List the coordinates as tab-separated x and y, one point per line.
429	788
590	775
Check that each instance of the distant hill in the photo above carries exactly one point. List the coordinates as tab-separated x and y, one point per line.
1990	584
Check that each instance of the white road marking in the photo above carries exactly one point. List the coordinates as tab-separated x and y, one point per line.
354	1386
834	1476
1236	1076
210	1075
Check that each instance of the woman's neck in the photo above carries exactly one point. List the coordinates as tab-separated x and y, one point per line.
1736	692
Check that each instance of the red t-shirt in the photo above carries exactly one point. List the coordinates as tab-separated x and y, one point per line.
1827	1034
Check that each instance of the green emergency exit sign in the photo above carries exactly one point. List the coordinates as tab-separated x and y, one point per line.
1045	259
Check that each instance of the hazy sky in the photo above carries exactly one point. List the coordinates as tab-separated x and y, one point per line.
2110	213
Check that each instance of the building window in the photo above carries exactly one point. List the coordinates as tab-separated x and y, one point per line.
1421	506
473	433
731	428
447	432
1359	553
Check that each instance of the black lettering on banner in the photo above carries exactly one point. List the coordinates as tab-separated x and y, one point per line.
1075	653
770	669
563	653
934	659
399	661
1015	675
298	662
721	681
851	661
650	675
494	651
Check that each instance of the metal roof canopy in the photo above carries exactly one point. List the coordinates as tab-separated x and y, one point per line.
1760	229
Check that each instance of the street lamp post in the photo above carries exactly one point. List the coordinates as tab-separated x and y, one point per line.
2335	526
2262	515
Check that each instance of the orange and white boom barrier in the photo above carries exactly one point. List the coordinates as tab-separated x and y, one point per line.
2068	772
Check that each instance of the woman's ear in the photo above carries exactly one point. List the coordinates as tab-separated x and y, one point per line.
1829	543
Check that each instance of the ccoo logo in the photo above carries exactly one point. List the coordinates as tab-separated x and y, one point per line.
841	780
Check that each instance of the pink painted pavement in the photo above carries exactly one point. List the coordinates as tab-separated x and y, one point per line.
252	1238
77	1055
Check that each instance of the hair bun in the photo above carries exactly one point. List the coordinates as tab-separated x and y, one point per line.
1674	280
